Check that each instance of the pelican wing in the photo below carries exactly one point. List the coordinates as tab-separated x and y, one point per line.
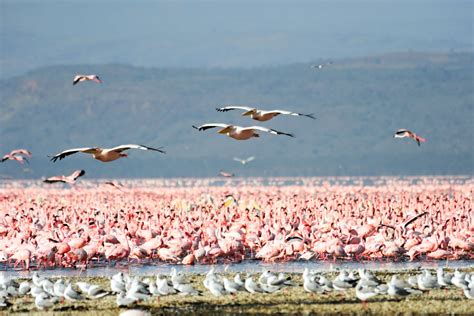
210	125
268	130
239	160
86	150
234	107
134	146
291	113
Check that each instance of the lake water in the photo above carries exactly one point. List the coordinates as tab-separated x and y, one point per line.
250	266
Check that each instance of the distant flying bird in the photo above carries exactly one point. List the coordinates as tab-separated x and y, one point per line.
117	186
104	154
244	161
402	133
239	132
71	179
320	66
261	115
226	174
23	152
79	78
17	155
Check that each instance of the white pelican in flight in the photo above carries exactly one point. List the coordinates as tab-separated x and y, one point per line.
402	133
244	161
239	132
66	179
261	115
80	78
104	154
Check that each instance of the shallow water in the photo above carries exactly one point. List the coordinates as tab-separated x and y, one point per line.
250	266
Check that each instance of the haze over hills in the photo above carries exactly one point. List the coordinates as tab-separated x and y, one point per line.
358	102
240	34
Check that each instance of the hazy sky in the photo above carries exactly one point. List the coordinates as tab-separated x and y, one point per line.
223	33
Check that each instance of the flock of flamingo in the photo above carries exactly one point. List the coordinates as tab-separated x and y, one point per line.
93	225
56	227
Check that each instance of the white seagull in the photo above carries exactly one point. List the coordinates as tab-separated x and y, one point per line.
239	132
244	161
261	115
104	154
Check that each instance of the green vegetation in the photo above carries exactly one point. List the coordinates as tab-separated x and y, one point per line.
291	300
359	103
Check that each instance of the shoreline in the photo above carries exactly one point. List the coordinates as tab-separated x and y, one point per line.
290	300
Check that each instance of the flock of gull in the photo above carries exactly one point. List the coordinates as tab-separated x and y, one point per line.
131	290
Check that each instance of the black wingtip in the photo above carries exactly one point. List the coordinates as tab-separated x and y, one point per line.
194	126
311	116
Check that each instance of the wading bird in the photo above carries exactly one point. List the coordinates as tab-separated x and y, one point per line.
261	115
104	154
80	78
403	133
239	132
66	179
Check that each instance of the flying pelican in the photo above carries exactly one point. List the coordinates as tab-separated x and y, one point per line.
260	115
66	179
402	133
244	161
239	132
79	78
104	154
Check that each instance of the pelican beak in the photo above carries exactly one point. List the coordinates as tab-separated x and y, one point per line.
224	130
248	113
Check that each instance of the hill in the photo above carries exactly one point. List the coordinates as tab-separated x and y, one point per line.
359	103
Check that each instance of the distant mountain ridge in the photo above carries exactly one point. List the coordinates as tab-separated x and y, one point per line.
358	103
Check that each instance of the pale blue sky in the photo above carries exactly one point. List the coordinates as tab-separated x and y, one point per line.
223	33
